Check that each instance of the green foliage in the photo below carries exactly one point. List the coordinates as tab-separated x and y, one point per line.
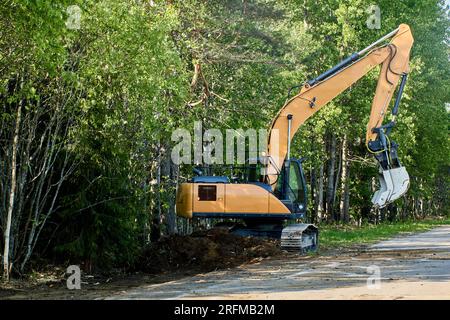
131	77
340	28
332	236
137	70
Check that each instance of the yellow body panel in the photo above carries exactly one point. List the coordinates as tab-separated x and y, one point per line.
230	199
246	198
184	200
276	205
209	206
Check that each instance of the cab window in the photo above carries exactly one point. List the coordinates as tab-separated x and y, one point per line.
296	191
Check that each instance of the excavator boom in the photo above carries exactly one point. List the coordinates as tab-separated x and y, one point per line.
394	61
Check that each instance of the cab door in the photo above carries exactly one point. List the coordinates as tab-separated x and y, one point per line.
291	188
297	185
209	198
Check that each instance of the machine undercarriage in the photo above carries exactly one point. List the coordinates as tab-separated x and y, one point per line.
296	237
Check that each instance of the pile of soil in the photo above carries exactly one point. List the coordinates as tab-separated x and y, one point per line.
205	251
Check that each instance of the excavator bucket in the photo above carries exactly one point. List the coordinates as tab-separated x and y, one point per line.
393	184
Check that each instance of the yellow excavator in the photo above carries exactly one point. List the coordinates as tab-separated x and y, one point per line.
273	190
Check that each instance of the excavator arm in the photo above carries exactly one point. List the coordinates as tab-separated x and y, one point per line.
394	61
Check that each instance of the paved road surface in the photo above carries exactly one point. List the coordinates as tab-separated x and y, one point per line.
410	267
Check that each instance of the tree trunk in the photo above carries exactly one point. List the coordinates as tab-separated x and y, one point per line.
320	194
313	194
155	226
6	262
336	184
344	203
169	173
330	176
416	207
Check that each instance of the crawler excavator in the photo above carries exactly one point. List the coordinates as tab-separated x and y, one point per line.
265	199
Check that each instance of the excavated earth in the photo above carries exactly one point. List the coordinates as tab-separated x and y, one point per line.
171	258
414	266
205	251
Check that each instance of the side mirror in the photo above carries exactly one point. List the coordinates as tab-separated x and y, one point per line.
197	172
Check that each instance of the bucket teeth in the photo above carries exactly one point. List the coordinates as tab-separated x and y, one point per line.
393	184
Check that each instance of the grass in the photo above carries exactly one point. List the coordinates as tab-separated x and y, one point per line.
334	236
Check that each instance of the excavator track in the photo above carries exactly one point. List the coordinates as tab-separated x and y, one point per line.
300	237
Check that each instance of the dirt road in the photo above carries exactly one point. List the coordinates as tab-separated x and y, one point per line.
409	267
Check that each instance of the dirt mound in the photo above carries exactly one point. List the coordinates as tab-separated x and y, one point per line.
205	251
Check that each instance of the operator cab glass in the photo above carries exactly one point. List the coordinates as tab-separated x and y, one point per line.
296	186
296	190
